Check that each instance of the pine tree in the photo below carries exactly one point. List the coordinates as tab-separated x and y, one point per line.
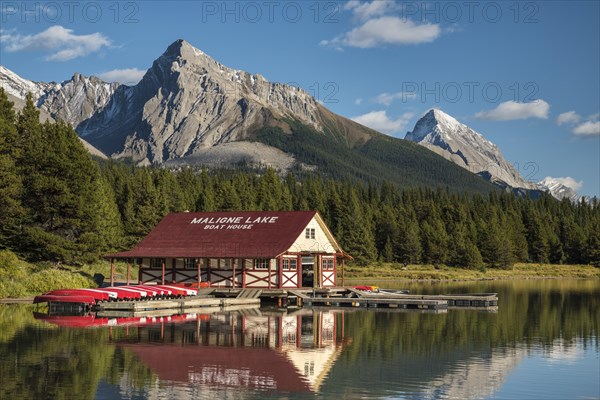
11	185
357	238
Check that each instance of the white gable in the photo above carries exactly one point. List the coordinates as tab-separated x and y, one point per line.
323	242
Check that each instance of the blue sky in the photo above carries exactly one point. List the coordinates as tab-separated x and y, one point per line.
524	74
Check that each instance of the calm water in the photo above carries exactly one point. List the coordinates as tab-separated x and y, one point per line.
542	343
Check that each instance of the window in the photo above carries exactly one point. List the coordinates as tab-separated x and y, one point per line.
156	263
261	263
310	233
327	264
289	264
190	263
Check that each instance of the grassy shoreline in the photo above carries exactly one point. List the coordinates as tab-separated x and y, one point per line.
388	271
19	279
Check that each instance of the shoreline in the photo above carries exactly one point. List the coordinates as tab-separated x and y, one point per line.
388	272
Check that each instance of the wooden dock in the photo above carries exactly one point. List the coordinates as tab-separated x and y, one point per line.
234	298
350	297
192	302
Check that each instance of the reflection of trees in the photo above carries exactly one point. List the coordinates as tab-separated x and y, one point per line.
405	348
58	363
528	311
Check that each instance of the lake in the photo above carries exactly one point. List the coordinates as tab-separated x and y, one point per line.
541	343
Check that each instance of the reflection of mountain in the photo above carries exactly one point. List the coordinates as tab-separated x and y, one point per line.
476	378
232	352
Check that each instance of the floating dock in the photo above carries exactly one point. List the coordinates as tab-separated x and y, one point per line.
350	297
192	302
141	299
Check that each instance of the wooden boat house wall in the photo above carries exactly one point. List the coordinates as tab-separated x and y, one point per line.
250	249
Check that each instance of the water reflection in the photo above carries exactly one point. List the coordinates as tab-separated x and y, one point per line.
543	342
270	351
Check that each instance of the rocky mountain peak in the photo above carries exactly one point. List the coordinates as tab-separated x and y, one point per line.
459	143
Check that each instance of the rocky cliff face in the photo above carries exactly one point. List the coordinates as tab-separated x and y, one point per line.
457	142
186	108
186	103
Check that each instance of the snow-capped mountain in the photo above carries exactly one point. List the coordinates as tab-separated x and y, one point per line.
71	101
460	144
558	189
18	87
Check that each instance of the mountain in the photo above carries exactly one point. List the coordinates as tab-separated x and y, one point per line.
189	109
17	88
460	144
559	190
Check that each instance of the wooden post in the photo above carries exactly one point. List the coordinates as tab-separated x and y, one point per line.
163	272
112	272
199	273
299	271
343	264
128	271
280	275
269	273
233	272
317	273
243	273
208	271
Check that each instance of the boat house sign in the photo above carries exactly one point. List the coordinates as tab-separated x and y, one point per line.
233	222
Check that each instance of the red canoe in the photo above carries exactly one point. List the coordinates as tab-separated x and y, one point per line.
57	298
99	295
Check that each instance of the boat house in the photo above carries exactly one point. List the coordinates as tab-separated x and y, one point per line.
238	249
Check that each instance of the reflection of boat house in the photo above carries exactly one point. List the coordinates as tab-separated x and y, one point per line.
292	352
267	249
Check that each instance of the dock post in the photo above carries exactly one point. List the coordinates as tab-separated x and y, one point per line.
163	272
343	265
128	271
112	272
199	276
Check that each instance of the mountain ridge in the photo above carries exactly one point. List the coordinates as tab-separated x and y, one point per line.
188	109
469	149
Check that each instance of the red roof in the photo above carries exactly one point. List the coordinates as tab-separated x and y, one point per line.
244	234
254	368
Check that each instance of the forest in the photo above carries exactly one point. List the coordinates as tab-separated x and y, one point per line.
59	204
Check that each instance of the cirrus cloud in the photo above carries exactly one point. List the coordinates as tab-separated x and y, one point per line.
366	10
62	42
588	128
128	76
387	30
380	121
569	117
512	110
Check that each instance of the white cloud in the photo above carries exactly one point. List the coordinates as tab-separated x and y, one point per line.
64	44
380	121
366	10
386	30
588	128
569	117
128	76
388	98
512	110
567	181
358	101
